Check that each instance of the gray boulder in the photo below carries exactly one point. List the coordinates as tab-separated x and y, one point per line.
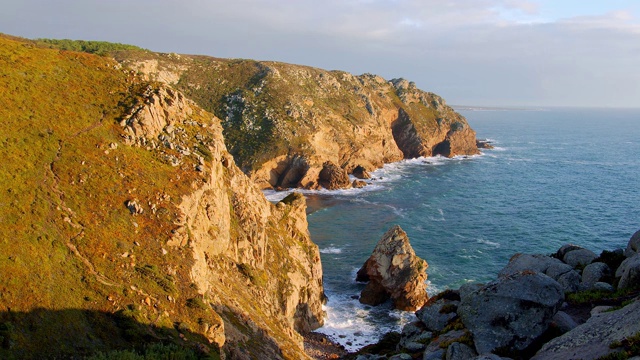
593	273
434	354
591	340
490	357
412	334
564	274
437	315
564	322
401	357
633	247
603	286
629	272
579	258
458	351
564	249
512	311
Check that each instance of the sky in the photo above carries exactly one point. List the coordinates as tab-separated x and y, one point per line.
472	52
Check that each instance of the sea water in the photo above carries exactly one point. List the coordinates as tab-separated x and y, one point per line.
554	177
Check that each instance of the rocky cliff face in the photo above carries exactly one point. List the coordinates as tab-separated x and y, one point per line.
284	123
131	223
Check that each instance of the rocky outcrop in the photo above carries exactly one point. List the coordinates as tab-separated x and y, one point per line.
333	177
633	247
596	338
394	272
511	312
284	122
524	311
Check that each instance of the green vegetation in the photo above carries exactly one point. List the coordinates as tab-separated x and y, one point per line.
625	349
92	47
156	351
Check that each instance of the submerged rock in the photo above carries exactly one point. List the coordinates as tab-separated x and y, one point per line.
394	272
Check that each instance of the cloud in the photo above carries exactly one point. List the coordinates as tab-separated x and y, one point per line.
470	51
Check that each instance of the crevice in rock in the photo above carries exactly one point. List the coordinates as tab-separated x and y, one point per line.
443	148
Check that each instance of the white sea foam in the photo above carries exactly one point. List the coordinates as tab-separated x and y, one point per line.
354	325
331	250
487	242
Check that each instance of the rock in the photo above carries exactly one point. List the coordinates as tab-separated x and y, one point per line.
591	340
458	351
394	272
490	357
564	274
512	311
401	357
437	315
564	322
358	184
484	144
437	343
633	247
413	333
361	173
564	249
594	273
413	346
600	309
134	207
603	286
579	258
333	177
435	354
629	272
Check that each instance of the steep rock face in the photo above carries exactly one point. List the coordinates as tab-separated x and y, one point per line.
394	272
283	122
132	224
230	226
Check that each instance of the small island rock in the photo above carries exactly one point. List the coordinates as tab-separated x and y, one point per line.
394	272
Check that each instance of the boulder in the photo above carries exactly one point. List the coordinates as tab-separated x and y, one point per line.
358	184
436	315
393	271
603	286
413	333
591	340
361	173
593	273
633	247
564	249
564	274
459	351
511	312
579	258
629	272
333	177
564	322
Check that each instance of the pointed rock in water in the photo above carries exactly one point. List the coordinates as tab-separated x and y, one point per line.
394	272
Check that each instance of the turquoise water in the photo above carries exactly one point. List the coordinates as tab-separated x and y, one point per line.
555	177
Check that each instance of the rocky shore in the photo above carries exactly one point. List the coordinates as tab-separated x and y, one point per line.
573	304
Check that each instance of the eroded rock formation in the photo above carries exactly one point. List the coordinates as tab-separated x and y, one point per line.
393	271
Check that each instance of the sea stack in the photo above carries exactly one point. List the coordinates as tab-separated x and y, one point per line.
393	271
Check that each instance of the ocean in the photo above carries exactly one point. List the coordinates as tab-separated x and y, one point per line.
555	176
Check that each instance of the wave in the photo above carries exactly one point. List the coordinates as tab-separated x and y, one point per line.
487	242
331	250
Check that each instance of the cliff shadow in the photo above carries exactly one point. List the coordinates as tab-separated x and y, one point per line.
82	334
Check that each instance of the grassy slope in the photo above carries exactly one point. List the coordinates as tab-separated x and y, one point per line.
65	226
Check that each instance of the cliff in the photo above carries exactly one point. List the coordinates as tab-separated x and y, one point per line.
126	222
295	126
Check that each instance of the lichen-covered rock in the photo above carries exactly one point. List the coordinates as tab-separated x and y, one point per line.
633	247
629	272
393	271
512	311
437	315
591	340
